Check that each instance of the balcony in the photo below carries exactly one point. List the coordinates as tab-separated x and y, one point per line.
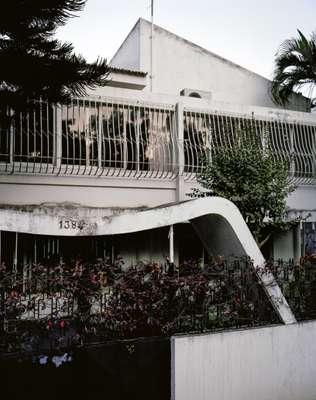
135	139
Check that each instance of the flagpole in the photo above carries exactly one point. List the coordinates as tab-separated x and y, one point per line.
151	45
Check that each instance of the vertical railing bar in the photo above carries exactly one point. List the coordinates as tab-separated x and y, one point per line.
125	155
99	135
150	134
48	149
306	151
101	139
81	125
87	138
168	141
75	126
114	140
12	141
160	142
19	154
34	141
156	142
83	140
41	133
108	135
121	127
20	137
300	151
141	142
192	118
138	128
131	141
118	154
197	138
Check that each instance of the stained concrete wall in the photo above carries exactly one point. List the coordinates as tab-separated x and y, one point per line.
180	64
272	363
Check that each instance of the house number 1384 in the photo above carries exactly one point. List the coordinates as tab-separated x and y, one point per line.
68	224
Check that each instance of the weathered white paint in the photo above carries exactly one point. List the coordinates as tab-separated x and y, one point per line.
302	202
180	64
217	221
128	55
126	80
86	191
271	363
108	192
226	105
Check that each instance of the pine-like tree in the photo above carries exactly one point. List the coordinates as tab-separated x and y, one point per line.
33	64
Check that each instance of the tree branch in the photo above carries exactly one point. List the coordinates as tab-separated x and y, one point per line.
265	240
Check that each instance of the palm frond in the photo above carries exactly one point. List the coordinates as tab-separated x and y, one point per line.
295	67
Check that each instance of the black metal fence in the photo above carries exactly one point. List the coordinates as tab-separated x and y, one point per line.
58	306
298	284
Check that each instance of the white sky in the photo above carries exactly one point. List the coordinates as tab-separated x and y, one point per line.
247	32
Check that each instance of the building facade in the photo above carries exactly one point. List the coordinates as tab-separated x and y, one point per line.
136	144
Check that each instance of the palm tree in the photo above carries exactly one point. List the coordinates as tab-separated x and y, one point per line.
295	68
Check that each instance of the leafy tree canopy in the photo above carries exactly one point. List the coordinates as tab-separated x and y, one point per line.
248	174
33	63
295	68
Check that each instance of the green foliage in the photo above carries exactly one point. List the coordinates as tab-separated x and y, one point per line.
295	68
248	174
33	63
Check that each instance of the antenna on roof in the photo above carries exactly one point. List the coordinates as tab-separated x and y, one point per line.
151	45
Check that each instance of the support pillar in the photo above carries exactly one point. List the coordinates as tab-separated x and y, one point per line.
171	244
297	242
15	255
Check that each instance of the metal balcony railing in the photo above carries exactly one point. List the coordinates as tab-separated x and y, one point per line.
291	141
114	137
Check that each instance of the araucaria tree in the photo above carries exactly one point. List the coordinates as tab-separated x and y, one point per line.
295	68
33	64
244	170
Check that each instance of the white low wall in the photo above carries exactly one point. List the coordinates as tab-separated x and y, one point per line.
272	363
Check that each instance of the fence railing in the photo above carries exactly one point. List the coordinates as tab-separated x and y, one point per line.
101	301
112	137
298	284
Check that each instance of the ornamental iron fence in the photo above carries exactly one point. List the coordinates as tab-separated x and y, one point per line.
120	138
298	284
62	305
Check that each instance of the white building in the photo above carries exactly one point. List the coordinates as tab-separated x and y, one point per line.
135	144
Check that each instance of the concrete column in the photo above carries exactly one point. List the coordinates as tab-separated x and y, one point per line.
179	156
171	244
297	242
35	251
15	254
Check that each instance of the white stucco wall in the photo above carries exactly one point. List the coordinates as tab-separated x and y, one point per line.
128	55
179	64
303	198
272	363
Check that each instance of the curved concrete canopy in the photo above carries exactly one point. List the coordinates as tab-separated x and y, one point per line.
217	221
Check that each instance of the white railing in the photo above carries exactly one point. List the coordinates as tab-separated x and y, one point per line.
114	137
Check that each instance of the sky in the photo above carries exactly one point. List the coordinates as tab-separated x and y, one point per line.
247	32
